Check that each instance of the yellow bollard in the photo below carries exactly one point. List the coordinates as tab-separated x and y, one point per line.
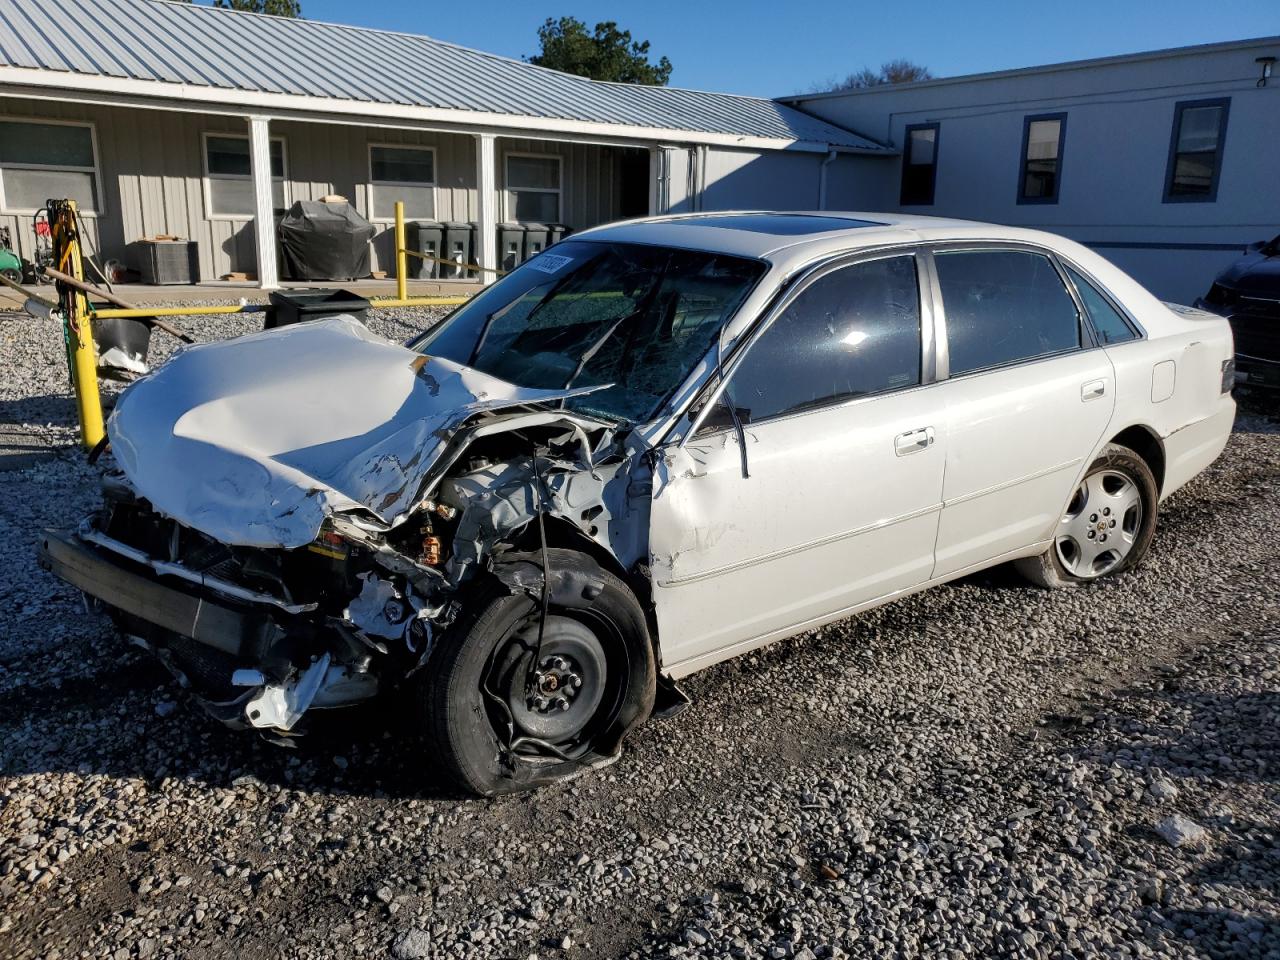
84	360
402	262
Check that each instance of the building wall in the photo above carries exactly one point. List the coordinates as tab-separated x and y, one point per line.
151	179
1115	155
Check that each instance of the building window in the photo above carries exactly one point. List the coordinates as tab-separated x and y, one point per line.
402	173
1042	158
41	160
919	164
533	188
1195	151
228	176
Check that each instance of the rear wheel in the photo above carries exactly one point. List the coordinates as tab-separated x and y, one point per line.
505	713
12	275
1107	526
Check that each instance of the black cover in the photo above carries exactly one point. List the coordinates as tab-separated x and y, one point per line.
325	241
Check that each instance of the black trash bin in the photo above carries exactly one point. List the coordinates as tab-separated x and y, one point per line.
426	236
535	239
295	306
510	245
557	232
457	249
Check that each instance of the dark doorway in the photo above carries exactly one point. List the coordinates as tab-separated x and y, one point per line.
633	182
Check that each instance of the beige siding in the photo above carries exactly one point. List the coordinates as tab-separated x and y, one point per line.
152	178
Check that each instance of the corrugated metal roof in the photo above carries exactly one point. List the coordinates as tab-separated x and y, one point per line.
152	40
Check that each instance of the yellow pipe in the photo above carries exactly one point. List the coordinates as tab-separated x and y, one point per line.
402	263
418	302
137	313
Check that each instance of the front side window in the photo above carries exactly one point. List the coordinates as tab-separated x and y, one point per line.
633	318
41	161
229	175
407	174
1107	322
1195	154
533	188
919	164
1042	158
851	333
1003	306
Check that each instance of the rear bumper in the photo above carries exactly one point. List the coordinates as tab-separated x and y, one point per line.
1257	372
120	584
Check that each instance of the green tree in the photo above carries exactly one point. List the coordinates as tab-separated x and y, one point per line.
893	71
276	8
606	54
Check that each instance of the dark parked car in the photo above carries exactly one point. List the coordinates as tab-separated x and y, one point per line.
1248	294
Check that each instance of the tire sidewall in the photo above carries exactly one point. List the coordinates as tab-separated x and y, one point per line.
458	721
1122	460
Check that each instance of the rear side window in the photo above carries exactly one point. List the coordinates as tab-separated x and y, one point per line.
1003	306
1107	322
852	333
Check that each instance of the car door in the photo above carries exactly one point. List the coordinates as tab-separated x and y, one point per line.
1027	397
833	500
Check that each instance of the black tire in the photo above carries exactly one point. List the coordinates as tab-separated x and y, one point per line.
13	276
495	742
1048	569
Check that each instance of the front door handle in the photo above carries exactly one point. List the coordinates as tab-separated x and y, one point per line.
1093	389
913	441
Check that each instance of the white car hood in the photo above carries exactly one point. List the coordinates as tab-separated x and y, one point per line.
254	441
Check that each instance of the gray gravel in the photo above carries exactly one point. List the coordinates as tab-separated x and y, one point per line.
984	769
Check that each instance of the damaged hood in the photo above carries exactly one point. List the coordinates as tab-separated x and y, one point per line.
254	441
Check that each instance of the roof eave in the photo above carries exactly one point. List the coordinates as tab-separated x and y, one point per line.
152	94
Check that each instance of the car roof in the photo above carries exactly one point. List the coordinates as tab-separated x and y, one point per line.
786	238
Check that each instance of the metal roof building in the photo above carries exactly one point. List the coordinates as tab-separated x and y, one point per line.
188	120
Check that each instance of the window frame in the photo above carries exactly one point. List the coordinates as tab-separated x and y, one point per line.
936	127
207	178
435	183
1172	162
1026	144
508	192
943	357
793	287
1139	332
100	207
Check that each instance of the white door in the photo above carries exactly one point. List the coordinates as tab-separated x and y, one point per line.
1027	402
844	453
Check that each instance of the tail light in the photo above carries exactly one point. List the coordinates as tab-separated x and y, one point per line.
1228	374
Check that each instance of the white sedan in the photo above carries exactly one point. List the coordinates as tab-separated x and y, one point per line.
656	446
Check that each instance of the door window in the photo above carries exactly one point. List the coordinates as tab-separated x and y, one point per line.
851	333
1003	306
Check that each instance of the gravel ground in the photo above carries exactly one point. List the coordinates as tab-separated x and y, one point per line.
983	769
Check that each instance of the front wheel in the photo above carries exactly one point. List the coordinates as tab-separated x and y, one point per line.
504	713
1107	526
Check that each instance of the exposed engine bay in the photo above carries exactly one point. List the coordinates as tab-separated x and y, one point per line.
357	611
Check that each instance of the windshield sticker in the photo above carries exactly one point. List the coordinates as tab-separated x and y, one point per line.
549	262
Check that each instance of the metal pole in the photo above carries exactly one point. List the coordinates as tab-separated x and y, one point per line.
402	263
84	360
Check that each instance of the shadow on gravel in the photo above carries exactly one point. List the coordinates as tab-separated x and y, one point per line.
1200	741
129	719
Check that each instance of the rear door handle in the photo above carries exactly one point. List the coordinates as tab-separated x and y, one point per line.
1093	389
913	441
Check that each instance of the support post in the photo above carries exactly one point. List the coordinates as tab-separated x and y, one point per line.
486	251
402	261
264	221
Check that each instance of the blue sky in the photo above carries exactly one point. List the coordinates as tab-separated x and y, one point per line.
785	46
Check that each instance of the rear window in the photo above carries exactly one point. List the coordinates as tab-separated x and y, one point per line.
1003	306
